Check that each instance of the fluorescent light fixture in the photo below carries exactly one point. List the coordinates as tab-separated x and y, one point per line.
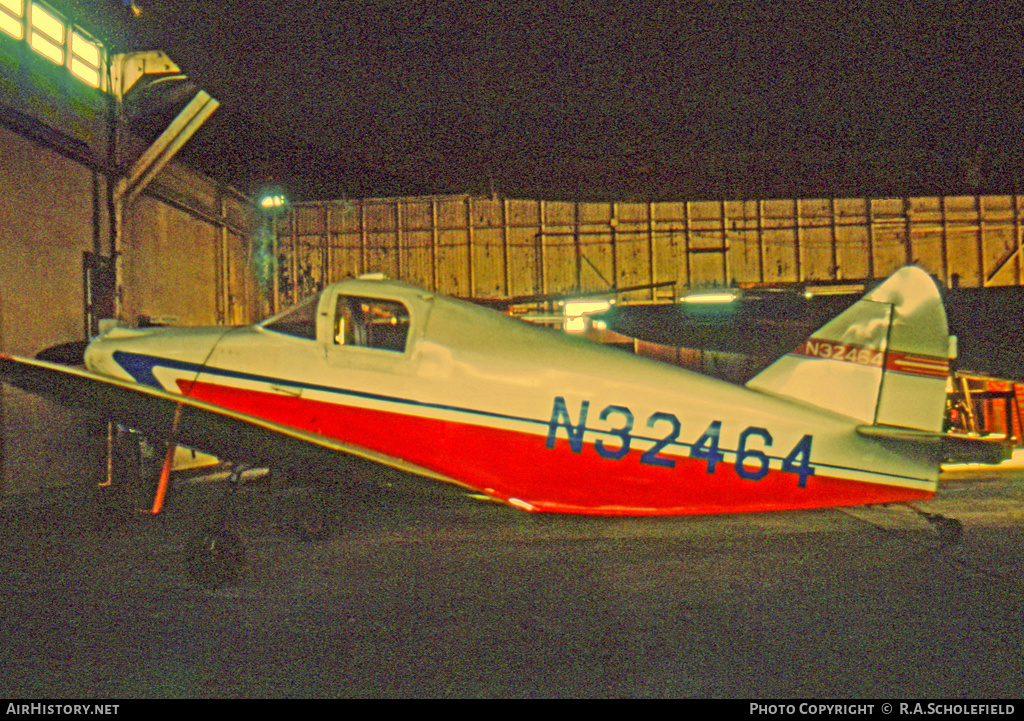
710	296
576	310
585	306
576	324
846	289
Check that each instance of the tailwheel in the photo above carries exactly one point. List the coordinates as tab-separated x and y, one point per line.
950	530
216	557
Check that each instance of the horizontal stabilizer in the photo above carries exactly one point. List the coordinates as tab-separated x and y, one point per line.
954	448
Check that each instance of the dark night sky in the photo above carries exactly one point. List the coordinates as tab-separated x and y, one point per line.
609	100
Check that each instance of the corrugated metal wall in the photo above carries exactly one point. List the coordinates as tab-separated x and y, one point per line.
186	251
498	248
185	254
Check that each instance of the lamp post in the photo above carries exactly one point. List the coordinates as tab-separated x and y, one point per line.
274	203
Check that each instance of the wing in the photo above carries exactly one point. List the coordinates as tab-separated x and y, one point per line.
204	426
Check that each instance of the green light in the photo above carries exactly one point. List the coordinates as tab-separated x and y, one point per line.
272	199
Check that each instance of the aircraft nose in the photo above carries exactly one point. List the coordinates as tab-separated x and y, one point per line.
99	354
133	354
99	358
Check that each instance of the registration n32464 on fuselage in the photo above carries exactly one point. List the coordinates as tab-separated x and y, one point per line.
548	422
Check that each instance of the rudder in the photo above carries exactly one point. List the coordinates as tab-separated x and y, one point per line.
883	361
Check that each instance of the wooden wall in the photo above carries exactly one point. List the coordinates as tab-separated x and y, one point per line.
498	248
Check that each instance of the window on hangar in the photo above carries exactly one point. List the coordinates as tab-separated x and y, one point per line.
53	37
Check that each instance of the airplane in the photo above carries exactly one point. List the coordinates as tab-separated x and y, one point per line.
375	370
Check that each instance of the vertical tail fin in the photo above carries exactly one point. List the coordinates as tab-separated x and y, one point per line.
884	361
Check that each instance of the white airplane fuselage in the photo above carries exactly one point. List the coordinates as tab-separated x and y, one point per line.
525	415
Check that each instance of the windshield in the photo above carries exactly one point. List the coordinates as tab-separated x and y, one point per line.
298	321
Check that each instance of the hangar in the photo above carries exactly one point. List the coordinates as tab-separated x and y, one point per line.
103	220
793	262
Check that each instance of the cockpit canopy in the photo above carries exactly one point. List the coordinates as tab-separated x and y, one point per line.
357	321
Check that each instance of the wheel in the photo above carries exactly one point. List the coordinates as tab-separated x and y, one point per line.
950	530
216	558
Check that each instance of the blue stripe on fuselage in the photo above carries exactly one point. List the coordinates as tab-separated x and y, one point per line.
141	369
